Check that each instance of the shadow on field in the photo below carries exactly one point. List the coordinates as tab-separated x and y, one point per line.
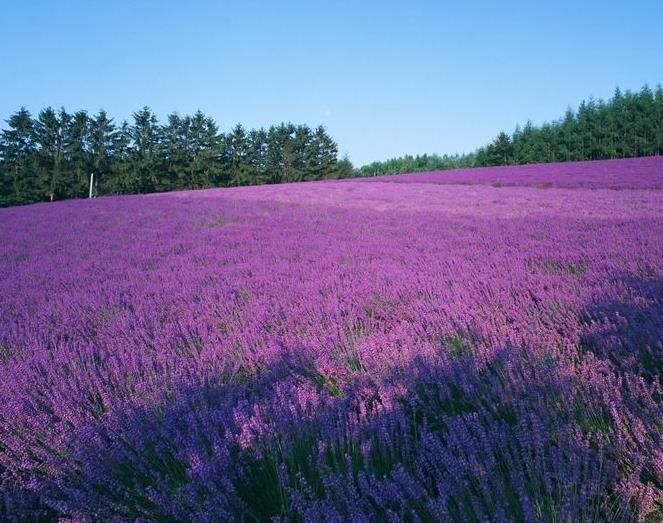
628	329
453	439
20	504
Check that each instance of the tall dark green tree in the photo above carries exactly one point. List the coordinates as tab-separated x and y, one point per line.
101	148
18	150
122	177
54	178
281	153
206	146
658	120
344	168
644	122
499	151
177	151
77	154
258	155
326	155
146	157
237	152
566	137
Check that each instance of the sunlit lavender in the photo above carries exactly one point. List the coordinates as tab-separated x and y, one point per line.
468	346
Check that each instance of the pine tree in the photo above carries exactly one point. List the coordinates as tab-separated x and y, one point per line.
208	150
657	131
304	154
237	154
53	177
645	124
327	154
102	135
77	154
344	168
146	161
281	153
258	154
500	151
122	178
177	153
18	150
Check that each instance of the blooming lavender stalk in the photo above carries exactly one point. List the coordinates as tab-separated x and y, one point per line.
455	346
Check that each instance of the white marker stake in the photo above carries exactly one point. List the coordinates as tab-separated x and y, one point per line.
91	181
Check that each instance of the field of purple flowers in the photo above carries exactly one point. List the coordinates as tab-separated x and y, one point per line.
476	345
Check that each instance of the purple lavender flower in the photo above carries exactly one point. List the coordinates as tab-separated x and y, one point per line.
453	346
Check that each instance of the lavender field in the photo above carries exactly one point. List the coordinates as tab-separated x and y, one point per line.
473	345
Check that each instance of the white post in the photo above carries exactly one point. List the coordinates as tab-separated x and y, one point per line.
91	182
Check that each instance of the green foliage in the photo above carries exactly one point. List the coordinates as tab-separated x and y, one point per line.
102	139
52	156
51	130
18	147
424	162
628	125
237	153
499	151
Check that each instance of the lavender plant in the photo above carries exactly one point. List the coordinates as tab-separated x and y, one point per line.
457	346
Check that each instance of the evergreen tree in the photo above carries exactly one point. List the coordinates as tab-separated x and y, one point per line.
629	124
207	152
344	168
657	130
281	153
239	166
258	155
77	154
500	151
51	135
177	152
326	155
18	150
645	123
122	178
52	156
567	133
146	160
303	167
101	146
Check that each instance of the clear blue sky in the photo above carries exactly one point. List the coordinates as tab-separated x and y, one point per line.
386	78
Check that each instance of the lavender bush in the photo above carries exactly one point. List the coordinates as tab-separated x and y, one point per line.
463	346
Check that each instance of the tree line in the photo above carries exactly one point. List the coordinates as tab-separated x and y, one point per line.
629	124
51	156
